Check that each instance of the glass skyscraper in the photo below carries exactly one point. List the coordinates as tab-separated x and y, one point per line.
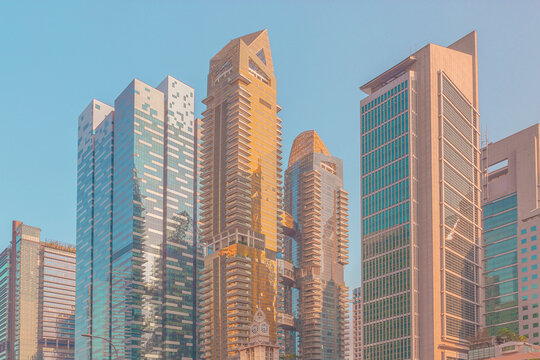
315	198
511	219
37	297
138	253
421	206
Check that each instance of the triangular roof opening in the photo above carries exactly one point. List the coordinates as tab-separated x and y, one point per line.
260	55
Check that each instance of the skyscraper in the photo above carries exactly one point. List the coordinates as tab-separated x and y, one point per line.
357	324
318	204
421	216
137	263
37	297
511	219
240	195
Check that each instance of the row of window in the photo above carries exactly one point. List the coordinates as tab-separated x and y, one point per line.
384	108
387	308
393	216
382	243
383	134
385	176
387	285
386	154
387	330
385	198
387	263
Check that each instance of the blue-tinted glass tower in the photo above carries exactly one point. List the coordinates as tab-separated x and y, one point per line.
137	268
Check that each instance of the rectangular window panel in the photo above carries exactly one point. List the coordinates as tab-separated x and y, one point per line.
500	233
501	261
501	247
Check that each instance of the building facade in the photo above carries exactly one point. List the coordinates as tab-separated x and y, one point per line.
318	204
357	324
240	195
511	218
37	297
288	291
421	222
137	247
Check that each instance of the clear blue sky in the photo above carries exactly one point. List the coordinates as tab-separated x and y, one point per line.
58	55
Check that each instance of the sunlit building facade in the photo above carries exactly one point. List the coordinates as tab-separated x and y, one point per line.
37	297
421	206
138	254
511	219
357	324
315	198
240	195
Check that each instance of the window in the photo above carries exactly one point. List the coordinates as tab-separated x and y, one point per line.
524	231
523	251
523	241
533	228
525	279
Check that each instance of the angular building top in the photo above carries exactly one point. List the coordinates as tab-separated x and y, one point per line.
306	143
240	194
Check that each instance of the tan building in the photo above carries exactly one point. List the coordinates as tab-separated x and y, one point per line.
240	195
357	324
511	218
40	308
421	205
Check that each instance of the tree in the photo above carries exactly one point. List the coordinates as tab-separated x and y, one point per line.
506	335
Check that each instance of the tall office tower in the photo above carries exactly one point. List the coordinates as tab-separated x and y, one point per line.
240	195
511	218
37	297
137	263
421	221
315	198
357	324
